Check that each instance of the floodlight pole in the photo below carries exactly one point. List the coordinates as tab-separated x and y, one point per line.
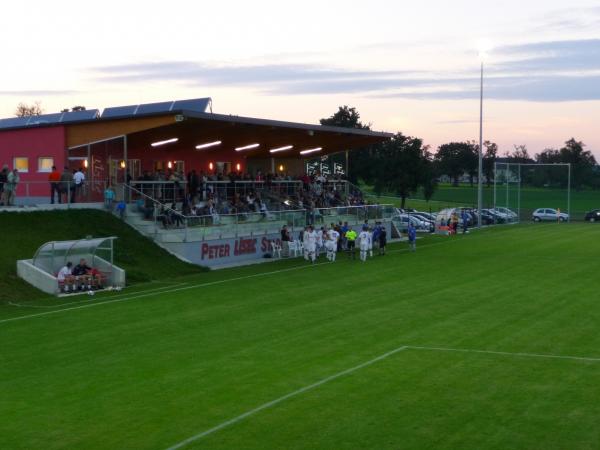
479	176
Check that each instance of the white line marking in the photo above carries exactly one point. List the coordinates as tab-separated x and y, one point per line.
493	352
283	398
143	291
193	286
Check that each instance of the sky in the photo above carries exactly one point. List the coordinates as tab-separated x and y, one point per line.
406	66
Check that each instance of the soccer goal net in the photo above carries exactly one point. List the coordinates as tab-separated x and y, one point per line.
525	192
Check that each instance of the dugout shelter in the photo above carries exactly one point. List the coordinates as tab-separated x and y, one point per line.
41	270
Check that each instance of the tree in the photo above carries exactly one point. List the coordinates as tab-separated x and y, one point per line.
358	160
520	154
25	110
582	162
456	158
402	165
345	117
74	108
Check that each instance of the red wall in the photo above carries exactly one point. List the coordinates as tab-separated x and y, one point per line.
33	143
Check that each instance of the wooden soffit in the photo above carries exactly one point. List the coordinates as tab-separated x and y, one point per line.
84	133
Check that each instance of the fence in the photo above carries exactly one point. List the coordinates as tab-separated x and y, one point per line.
166	223
45	193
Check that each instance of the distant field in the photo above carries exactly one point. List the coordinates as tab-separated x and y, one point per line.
531	198
474	342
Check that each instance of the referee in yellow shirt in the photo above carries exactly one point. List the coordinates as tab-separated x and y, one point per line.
351	242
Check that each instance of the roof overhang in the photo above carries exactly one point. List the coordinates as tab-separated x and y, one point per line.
194	128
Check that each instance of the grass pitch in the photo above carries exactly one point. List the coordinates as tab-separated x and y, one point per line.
304	351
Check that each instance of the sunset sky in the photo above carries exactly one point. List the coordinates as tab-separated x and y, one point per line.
406	66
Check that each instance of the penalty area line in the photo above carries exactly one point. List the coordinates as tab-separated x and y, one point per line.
494	352
284	398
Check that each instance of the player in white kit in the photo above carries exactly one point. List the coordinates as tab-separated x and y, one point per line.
331	244
310	243
364	238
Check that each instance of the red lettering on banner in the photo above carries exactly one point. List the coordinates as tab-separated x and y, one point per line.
244	247
214	251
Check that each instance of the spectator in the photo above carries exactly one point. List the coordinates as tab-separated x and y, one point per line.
10	187
285	241
66	183
54	179
65	278
121	207
3	180
109	196
78	179
82	274
465	221
412	237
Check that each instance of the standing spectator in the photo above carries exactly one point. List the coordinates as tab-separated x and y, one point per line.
412	237
121	207
54	179
285	241
109	196
78	179
10	188
3	180
66	183
465	220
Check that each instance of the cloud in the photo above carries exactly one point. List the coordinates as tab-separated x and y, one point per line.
35	93
551	56
552	71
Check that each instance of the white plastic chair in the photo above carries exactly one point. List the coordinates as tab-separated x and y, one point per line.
294	247
276	249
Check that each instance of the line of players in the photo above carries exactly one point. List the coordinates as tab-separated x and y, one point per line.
337	238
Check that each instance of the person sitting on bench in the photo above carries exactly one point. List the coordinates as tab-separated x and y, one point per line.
66	278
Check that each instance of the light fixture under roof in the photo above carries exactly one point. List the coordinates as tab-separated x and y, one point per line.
247	147
208	145
281	149
311	150
166	141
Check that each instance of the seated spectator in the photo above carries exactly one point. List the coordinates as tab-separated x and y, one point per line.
82	274
66	278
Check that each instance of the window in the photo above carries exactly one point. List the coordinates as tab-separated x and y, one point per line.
21	164
45	164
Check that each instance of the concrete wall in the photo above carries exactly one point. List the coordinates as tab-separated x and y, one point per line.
37	277
219	253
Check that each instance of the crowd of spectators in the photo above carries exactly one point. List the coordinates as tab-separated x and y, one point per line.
210	195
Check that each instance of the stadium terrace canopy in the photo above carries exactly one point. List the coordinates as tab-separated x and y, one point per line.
51	256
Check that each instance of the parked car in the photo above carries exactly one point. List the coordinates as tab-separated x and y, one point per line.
549	214
495	215
510	214
593	215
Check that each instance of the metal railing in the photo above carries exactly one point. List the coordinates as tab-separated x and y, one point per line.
45	193
167	223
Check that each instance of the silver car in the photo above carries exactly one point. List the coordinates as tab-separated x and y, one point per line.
549	214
